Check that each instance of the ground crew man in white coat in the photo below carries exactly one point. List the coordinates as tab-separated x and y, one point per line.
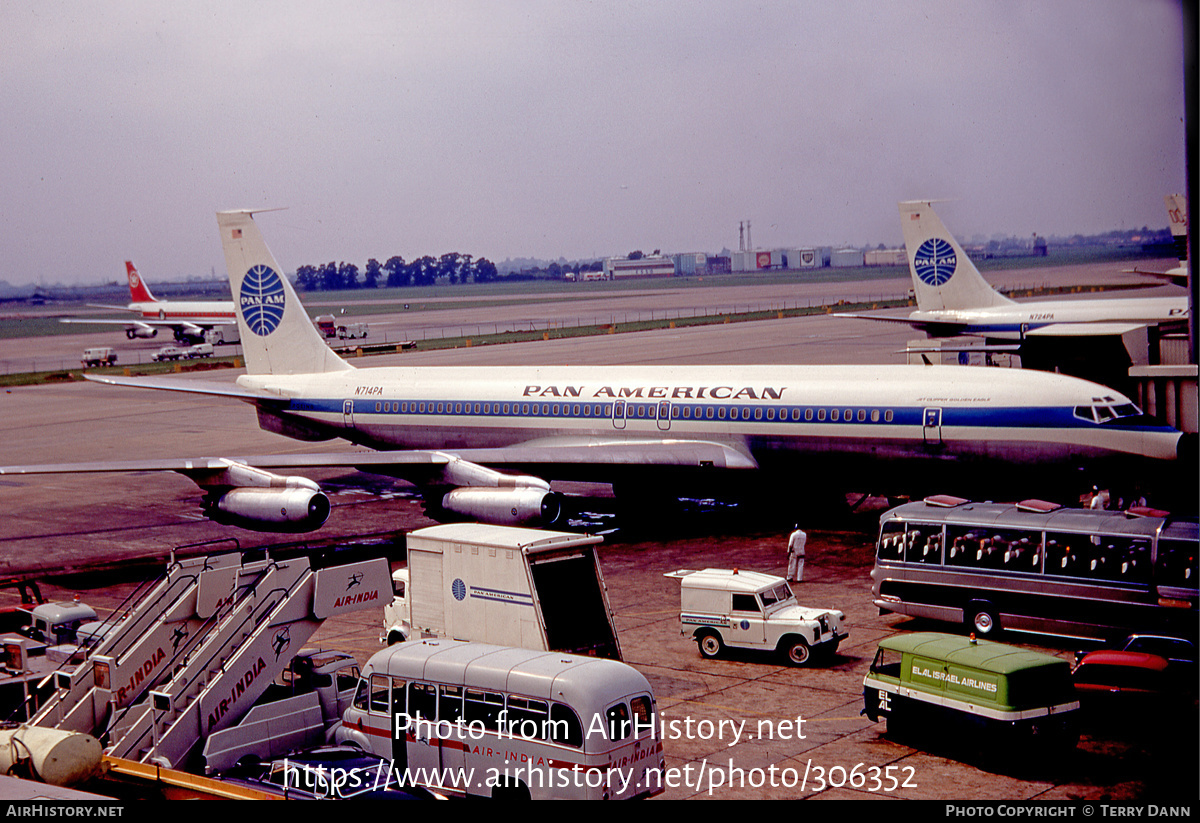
795	562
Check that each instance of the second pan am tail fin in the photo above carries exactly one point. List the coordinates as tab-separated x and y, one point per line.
943	277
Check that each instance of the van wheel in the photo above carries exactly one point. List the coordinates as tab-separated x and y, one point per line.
798	653
984	621
710	645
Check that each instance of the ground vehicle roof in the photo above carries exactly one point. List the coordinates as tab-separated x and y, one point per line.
63	611
1119	657
485	534
998	658
731	579
541	674
1033	515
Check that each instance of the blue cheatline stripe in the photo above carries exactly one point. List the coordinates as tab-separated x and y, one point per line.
1018	417
499	595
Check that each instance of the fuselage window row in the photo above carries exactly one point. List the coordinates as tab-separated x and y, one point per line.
635	411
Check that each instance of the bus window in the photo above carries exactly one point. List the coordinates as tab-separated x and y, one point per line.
1176	564
923	544
565	727
618	722
422	701
380	686
362	695
643	715
1098	556
891	540
990	548
527	718
1130	559
450	703
483	708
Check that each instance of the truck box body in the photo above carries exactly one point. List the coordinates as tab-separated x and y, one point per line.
975	687
508	586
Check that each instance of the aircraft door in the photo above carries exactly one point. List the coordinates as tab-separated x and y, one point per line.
348	414
932	427
664	415
618	417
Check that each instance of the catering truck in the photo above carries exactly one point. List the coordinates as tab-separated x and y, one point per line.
508	586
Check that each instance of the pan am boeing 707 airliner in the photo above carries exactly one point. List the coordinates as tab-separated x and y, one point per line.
484	443
1081	337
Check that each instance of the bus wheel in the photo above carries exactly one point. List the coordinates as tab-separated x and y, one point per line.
798	653
510	790
984	622
710	645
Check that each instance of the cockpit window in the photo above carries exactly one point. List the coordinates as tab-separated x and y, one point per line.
1104	413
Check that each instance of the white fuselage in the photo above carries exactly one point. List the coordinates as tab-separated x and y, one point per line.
842	419
194	311
1058	317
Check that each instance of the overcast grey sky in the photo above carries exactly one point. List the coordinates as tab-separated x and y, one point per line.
576	129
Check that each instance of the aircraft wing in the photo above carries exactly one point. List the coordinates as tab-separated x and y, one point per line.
144	321
944	327
96	321
1177	276
425	465
198	466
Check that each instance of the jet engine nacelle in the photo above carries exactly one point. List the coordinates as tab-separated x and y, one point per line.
505	507
272	510
144	332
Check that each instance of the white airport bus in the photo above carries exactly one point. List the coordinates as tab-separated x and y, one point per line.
494	721
1039	567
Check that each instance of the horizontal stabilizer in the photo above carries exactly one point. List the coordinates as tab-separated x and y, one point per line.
883	318
183	385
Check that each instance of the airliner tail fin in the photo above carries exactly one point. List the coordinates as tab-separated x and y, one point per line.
277	335
1177	213
139	292
943	277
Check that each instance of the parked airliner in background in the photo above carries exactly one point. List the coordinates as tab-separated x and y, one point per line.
1177	213
191	321
484	443
1075	336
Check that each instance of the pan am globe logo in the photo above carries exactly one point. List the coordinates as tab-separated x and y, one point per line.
262	300
935	262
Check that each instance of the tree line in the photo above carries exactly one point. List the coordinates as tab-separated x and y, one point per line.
423	271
